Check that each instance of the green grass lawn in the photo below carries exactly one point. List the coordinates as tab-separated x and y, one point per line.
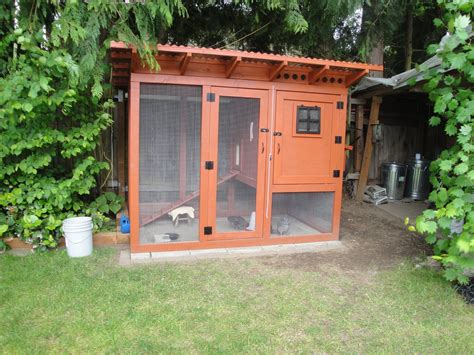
50	303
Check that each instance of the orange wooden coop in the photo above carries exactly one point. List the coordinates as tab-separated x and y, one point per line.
230	148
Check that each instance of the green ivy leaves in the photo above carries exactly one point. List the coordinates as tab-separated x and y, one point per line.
450	227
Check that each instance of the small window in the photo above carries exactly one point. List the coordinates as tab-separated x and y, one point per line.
308	120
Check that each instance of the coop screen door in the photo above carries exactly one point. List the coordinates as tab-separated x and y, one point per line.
170	145
239	144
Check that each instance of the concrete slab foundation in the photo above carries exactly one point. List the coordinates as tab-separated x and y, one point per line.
126	258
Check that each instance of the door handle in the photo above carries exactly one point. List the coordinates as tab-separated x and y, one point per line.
278	148
263	148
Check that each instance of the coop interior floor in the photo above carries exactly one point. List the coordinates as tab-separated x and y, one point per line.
296	227
154	233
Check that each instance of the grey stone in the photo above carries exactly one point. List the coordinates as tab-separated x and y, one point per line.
140	256
170	254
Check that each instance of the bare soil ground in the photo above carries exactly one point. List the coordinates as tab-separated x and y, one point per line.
373	241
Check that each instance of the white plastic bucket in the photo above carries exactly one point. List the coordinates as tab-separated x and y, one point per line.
78	235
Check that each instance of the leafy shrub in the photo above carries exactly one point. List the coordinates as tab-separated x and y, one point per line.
49	129
452	174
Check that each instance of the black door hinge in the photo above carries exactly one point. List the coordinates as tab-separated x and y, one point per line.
207	230
338	140
277	133
336	173
211	97
209	165
340	105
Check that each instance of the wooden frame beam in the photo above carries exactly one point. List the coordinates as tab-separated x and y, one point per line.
121	81
359	137
121	65
184	63
316	74
120	73
230	68
355	77
273	74
364	172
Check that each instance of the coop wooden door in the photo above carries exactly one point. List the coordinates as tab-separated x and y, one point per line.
306	150
236	168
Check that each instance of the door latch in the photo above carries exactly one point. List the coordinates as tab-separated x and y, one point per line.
211	97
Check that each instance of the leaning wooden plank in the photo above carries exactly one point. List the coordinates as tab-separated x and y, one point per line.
364	173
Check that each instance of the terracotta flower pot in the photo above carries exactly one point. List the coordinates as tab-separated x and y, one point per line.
17	243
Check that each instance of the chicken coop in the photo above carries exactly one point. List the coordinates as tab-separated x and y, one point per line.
230	148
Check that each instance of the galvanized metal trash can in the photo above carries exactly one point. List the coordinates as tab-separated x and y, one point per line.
418	179
393	179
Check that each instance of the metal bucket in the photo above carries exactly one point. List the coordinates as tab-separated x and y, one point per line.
418	179
393	179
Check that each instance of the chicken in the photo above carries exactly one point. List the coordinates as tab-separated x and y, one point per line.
238	222
283	226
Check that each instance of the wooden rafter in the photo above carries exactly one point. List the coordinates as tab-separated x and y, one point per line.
184	63
282	65
230	68
356	76
316	74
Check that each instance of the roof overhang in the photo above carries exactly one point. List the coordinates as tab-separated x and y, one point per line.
182	60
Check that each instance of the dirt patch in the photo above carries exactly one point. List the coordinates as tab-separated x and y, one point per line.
373	240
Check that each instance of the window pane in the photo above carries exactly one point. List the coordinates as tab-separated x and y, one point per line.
302	113
308	120
314	113
314	127
302	126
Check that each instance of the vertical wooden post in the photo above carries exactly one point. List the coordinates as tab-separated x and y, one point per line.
182	146
134	163
121	141
364	173
359	137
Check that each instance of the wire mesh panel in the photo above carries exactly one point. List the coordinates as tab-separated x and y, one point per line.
302	213
170	136
237	163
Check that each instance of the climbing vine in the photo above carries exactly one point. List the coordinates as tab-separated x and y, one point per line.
449	227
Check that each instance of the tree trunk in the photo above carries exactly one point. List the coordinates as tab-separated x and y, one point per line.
376	56
409	37
372	35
